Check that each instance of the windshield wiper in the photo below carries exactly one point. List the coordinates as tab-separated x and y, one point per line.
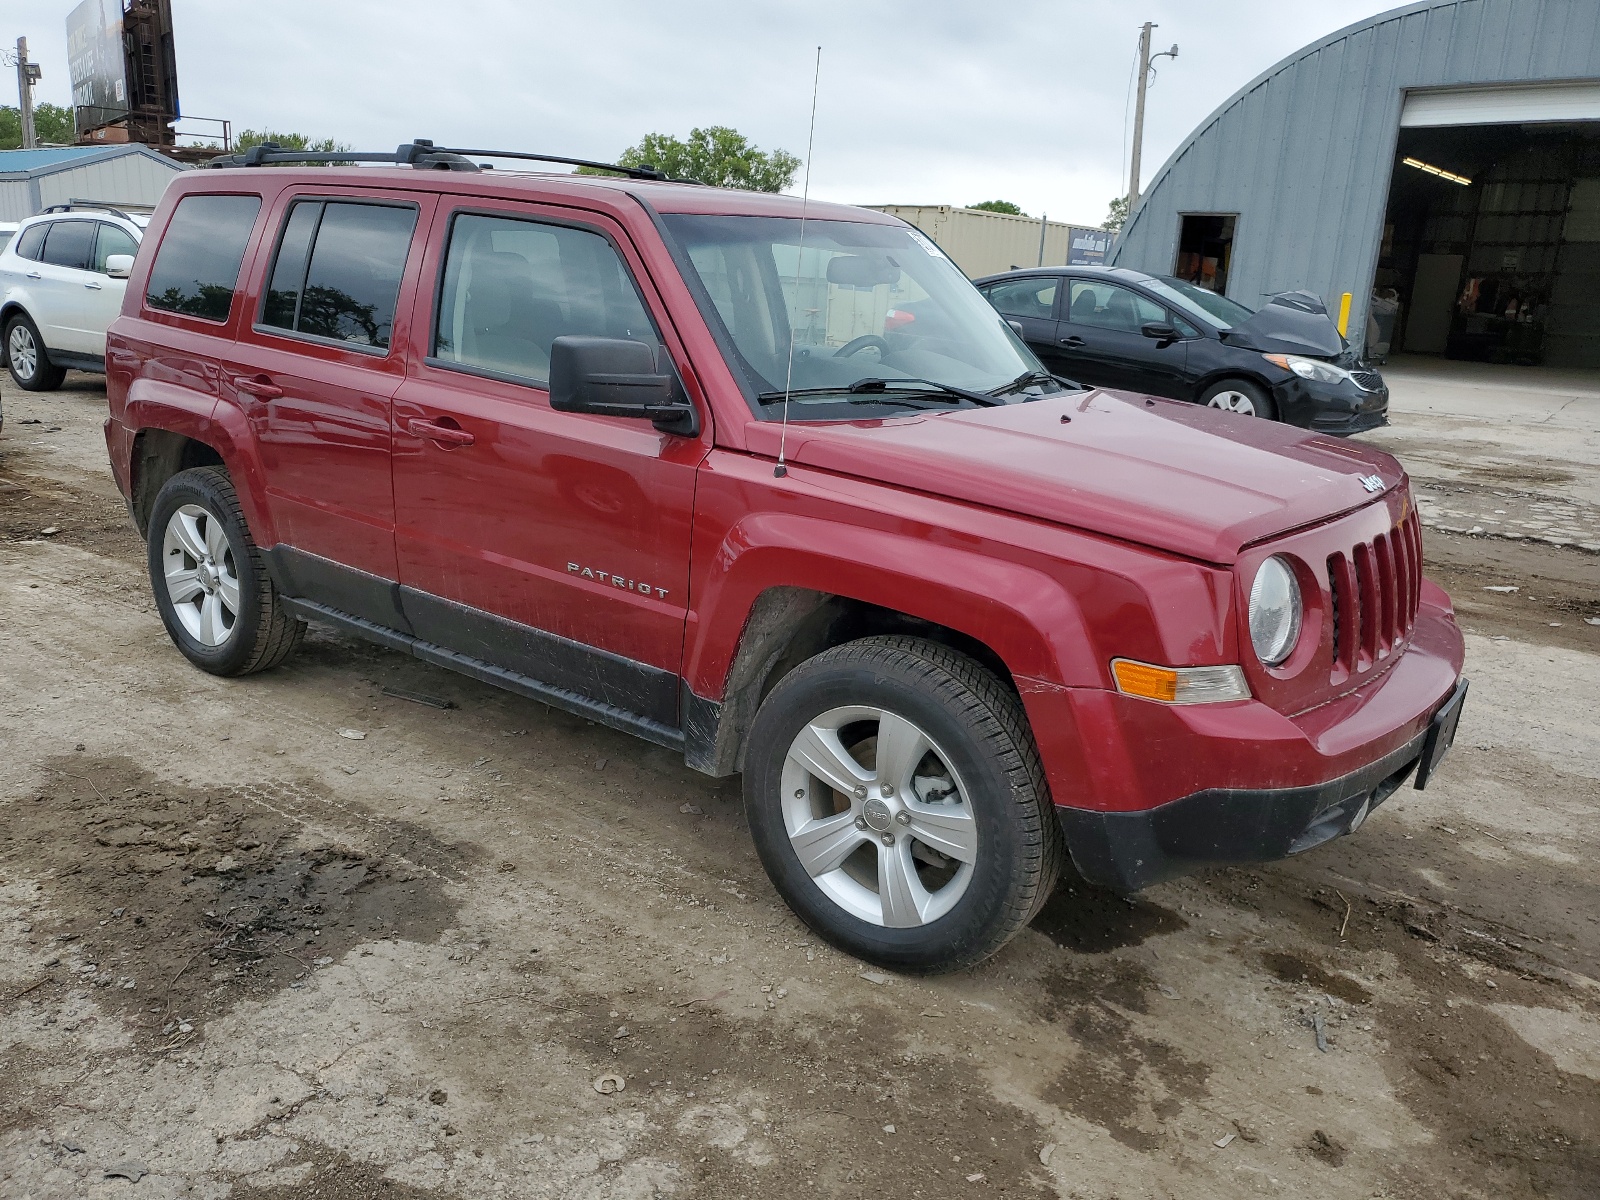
1026	378
875	385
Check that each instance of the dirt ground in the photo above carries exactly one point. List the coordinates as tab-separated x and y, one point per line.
485	949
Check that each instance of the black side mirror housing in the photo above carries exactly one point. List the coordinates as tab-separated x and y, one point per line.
1161	332
617	377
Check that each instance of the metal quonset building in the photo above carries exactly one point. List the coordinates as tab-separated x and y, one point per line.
1446	154
31	180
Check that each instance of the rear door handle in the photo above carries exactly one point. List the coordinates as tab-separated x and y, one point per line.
445	435
258	386
35	275
91	284
1074	340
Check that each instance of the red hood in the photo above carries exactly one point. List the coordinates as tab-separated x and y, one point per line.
1161	473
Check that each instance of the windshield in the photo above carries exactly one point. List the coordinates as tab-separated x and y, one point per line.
861	302
1215	309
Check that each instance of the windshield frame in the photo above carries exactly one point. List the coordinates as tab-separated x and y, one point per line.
849	406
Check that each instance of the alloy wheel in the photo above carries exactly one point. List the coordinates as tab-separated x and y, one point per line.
1234	401
878	817
23	351
201	575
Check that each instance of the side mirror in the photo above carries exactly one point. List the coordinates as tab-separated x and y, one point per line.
1016	328
1161	332
119	266
616	377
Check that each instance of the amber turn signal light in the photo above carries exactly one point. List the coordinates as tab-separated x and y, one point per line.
1179	685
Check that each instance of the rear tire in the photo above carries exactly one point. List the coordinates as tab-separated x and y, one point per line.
934	861
210	584
29	360
1240	396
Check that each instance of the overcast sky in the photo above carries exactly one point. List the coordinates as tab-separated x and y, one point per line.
944	102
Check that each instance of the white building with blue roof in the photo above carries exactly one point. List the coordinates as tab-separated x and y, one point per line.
127	175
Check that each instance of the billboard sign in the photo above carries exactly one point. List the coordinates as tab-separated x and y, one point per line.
97	62
1087	247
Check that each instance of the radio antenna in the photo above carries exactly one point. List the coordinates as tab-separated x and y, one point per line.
782	468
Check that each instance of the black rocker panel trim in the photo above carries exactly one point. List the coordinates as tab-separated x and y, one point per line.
564	664
307	576
580	705
73	361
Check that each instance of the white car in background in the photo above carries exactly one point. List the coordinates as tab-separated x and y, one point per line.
62	278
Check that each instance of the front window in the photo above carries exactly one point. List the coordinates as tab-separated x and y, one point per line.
1213	308
876	307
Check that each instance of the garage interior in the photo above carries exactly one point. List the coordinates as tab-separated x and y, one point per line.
1491	239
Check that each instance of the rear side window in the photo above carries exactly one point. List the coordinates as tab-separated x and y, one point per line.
337	271
512	287
197	264
30	242
112	240
1033	297
70	244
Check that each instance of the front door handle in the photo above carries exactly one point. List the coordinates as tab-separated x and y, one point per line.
35	275
92	284
1074	340
445	435
258	386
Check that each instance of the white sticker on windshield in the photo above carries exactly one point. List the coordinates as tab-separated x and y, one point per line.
926	243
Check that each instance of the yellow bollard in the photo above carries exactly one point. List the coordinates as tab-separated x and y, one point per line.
1344	314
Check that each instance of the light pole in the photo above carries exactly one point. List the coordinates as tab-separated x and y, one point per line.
1146	71
27	75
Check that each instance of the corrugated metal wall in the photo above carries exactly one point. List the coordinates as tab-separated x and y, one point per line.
1303	153
128	179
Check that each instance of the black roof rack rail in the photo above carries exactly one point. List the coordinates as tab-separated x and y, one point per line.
90	206
422	153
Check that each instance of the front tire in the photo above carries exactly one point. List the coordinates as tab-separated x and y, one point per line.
898	804
1240	396
29	360
210	584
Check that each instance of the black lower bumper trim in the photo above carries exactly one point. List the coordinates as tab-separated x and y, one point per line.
1132	850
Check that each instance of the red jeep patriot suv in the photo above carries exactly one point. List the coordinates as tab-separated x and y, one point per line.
656	454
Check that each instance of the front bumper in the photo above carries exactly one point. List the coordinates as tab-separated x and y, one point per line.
1132	850
1341	408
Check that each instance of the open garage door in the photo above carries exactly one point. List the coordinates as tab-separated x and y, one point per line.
1491	242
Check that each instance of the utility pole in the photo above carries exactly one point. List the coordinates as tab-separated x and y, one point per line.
28	74
1145	59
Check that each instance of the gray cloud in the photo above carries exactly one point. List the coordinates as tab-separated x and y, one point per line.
946	102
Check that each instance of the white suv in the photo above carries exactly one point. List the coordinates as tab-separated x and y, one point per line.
62	276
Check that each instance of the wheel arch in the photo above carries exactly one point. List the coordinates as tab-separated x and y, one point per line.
8	309
774	606
1226	374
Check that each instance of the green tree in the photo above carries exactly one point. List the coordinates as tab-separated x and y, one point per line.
718	156
52	124
999	206
1117	214
289	141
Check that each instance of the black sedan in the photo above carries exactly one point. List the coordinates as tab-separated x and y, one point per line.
1115	328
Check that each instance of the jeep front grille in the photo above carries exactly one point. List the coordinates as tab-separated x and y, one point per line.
1374	589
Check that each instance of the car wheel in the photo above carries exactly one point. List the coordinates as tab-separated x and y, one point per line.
211	587
898	804
1242	397
30	365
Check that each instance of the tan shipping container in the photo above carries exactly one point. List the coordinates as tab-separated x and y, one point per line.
984	243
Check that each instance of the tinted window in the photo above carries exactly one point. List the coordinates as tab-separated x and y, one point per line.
513	287
347	286
31	240
112	241
70	244
1025	297
197	263
1107	306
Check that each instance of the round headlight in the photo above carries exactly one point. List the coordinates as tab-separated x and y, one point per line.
1274	612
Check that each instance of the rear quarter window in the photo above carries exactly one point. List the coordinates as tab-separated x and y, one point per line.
197	264
31	240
